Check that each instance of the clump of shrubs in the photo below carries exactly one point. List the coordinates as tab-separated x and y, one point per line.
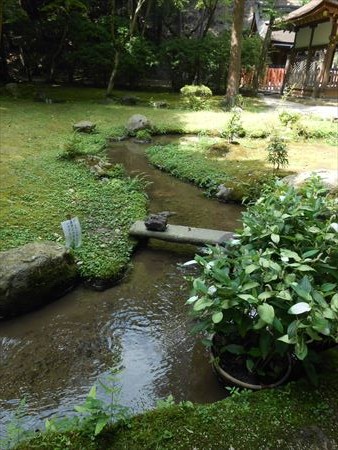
234	128
272	293
277	152
288	118
72	149
196	98
143	136
259	134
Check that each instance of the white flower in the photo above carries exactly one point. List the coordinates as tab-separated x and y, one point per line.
282	198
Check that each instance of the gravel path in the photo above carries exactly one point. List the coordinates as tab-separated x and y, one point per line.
323	111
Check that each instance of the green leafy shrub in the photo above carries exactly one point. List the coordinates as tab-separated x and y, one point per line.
95	413
273	291
288	118
143	135
233	128
277	152
198	91
259	134
72	148
196	97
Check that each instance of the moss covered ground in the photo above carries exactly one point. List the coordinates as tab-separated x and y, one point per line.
296	416
38	191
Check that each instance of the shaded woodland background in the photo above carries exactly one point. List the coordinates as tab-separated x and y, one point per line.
129	43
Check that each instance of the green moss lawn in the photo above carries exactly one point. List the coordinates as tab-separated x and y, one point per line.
38	191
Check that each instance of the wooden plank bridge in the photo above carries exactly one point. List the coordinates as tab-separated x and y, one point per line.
182	234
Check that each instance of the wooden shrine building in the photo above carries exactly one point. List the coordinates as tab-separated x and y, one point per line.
312	68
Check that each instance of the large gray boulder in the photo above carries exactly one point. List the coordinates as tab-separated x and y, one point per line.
328	177
138	122
33	275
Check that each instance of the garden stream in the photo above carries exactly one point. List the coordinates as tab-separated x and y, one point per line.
141	327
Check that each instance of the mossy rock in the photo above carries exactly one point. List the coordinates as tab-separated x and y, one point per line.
33	275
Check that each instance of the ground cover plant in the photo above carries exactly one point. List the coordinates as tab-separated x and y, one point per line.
36	185
193	162
105	209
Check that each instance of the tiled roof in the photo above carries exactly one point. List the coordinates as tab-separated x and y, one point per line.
308	8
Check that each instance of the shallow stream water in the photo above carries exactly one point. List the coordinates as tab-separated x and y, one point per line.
141	327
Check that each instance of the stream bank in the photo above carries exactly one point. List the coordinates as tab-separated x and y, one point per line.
141	327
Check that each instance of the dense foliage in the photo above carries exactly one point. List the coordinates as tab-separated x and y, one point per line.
274	290
78	40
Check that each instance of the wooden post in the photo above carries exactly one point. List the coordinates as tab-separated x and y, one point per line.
326	66
288	68
309	57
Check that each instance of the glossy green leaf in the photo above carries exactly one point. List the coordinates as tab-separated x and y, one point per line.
235	349
299	308
285	295
100	424
266	313
301	349
305	268
250	365
250	285
321	325
202	303
217	317
275	238
334	303
327	287
265	295
251	268
278	325
286	339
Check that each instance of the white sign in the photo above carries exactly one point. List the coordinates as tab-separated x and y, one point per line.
72	231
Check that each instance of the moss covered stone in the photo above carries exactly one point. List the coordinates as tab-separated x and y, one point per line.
32	275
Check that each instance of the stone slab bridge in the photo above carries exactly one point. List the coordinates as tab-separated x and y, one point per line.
182	234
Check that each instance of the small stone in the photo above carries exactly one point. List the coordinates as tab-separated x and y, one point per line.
224	193
129	100
156	222
84	126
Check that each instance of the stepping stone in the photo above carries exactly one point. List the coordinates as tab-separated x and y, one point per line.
182	234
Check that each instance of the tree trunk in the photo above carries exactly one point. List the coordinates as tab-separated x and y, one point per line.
234	71
260	69
111	82
57	54
1	18
132	28
4	74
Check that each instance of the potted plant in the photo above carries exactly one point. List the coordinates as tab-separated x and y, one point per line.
270	296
